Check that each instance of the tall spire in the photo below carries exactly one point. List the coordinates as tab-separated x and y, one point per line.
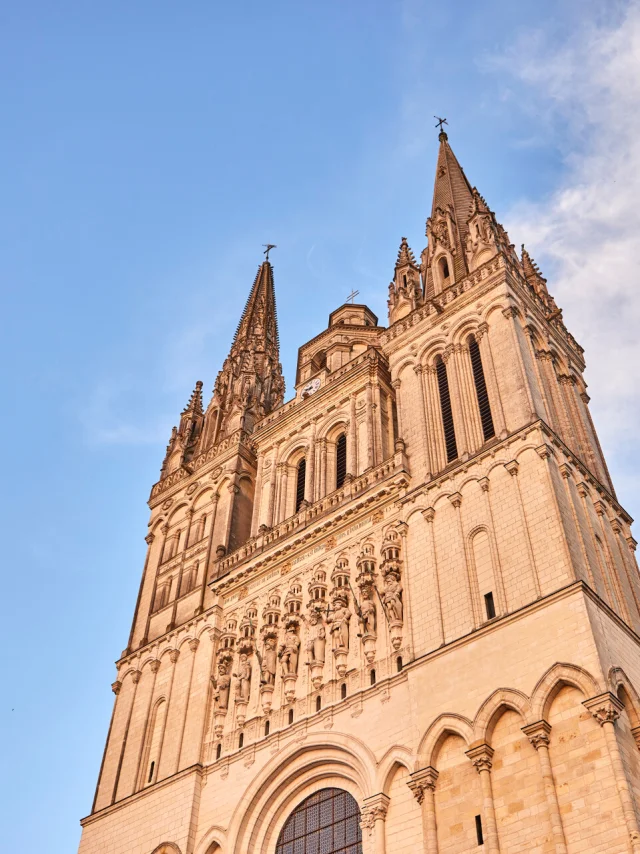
462	231
250	384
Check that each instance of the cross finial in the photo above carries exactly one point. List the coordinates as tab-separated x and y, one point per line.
269	247
441	122
352	296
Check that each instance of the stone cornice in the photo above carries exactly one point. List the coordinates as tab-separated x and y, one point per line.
361	495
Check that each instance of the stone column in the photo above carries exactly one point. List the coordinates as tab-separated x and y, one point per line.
437	448
423	421
423	786
273	482
429	516
396	387
257	497
310	484
606	709
284	476
194	643
323	467
372	821
538	735
352	462
481	757
369	423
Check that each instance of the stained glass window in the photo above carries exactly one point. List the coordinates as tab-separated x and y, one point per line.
325	823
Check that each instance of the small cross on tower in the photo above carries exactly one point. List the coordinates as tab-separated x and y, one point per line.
269	247
352	296
441	122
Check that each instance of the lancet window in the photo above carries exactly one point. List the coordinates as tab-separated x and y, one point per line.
341	460
327	821
488	430
445	408
301	477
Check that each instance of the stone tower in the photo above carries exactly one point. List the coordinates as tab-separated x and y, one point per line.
399	612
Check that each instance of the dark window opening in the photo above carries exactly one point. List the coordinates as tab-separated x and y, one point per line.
343	691
479	830
267	727
489	606
240	740
447	414
327	821
318	703
372	677
488	430
290	716
399	663
219	750
444	267
341	460
153	765
300	482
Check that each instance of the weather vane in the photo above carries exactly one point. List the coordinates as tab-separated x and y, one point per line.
441	122
269	247
352	296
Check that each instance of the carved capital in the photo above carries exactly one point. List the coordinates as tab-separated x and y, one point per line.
418	369
116	686
484	484
136	676
616	526
481	757
481	331
583	489
429	514
155	665
149	539
174	655
544	452
423	781
396	384
456	499
513	467
631	543
565	470
374	809
605	708
599	507
538	733
165	529
510	311
194	643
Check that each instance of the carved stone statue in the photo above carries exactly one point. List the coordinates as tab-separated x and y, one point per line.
221	685
340	625
316	640
392	598
268	662
289	650
243	685
368	614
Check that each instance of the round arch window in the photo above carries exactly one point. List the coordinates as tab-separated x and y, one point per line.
327	822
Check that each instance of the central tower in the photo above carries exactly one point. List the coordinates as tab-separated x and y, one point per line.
399	612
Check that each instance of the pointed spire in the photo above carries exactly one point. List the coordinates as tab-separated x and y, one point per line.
451	190
194	407
250	384
405	256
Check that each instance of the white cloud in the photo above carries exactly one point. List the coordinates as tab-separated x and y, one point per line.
585	236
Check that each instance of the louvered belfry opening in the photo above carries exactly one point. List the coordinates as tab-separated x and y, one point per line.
341	460
488	429
300	482
447	414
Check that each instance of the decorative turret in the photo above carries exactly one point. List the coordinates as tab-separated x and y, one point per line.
184	440
250	384
405	291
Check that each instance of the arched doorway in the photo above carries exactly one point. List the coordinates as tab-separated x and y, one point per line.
327	822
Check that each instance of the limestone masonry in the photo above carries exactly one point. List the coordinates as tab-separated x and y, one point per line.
401	611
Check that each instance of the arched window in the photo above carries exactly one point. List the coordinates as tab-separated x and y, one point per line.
447	414
443	265
300	482
318	703
328	821
343	691
488	429
341	460
219	750
372	677
241	740
290	716
267	727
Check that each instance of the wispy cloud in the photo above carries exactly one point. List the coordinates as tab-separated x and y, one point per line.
586	233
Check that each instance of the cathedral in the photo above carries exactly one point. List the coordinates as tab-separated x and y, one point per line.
399	612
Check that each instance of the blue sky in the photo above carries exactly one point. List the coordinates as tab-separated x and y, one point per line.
148	150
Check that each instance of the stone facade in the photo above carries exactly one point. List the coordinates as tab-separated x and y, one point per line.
412	582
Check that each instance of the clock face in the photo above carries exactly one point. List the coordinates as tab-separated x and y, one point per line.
311	387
